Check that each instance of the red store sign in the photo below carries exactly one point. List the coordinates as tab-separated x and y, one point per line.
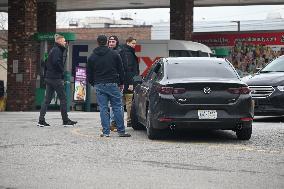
272	38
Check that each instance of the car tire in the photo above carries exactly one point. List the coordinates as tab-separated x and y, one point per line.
244	133
134	120
151	132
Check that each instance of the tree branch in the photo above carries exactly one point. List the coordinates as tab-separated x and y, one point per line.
4	38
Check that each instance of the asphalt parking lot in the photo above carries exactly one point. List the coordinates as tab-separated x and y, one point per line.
76	157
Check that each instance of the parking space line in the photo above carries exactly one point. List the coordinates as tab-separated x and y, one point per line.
77	131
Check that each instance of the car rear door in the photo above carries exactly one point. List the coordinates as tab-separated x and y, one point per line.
146	88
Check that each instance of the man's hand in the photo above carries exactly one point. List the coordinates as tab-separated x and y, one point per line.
130	87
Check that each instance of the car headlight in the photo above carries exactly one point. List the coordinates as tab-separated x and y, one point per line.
280	88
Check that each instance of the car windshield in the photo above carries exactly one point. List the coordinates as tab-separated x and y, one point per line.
276	65
201	69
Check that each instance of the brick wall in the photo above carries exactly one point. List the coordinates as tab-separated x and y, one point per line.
139	32
46	16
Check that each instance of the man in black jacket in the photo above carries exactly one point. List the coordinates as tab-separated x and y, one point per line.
113	43
105	72
54	79
131	70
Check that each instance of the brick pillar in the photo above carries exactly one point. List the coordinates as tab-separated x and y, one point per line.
46	22
22	23
181	19
46	16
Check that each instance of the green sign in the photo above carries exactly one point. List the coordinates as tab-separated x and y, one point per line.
49	36
221	52
5	54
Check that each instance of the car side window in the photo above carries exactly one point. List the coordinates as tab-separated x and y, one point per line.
153	70
160	73
150	72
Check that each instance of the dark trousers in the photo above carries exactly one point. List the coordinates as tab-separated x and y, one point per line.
54	85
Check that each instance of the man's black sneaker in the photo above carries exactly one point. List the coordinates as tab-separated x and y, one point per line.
42	124
69	123
124	135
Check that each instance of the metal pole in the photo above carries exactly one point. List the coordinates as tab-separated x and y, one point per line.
239	25
67	76
88	98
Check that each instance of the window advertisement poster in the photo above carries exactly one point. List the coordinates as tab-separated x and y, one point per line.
80	84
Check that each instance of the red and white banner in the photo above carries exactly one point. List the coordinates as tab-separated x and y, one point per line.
221	39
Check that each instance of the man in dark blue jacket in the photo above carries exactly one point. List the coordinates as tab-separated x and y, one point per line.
54	79
105	72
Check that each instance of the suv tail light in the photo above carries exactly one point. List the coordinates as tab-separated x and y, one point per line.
170	90
240	90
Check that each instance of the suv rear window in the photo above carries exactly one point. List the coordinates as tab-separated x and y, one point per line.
200	69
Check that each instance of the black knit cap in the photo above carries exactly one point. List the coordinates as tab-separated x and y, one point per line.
102	40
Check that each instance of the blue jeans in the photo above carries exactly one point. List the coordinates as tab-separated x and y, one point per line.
110	93
112	115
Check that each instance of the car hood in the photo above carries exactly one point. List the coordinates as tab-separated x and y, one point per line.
271	79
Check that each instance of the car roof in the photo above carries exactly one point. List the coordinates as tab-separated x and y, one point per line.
172	60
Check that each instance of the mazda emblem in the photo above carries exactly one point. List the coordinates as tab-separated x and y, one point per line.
207	90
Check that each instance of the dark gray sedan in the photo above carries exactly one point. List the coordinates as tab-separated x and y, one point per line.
192	93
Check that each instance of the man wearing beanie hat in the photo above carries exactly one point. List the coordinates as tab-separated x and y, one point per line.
113	43
105	73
